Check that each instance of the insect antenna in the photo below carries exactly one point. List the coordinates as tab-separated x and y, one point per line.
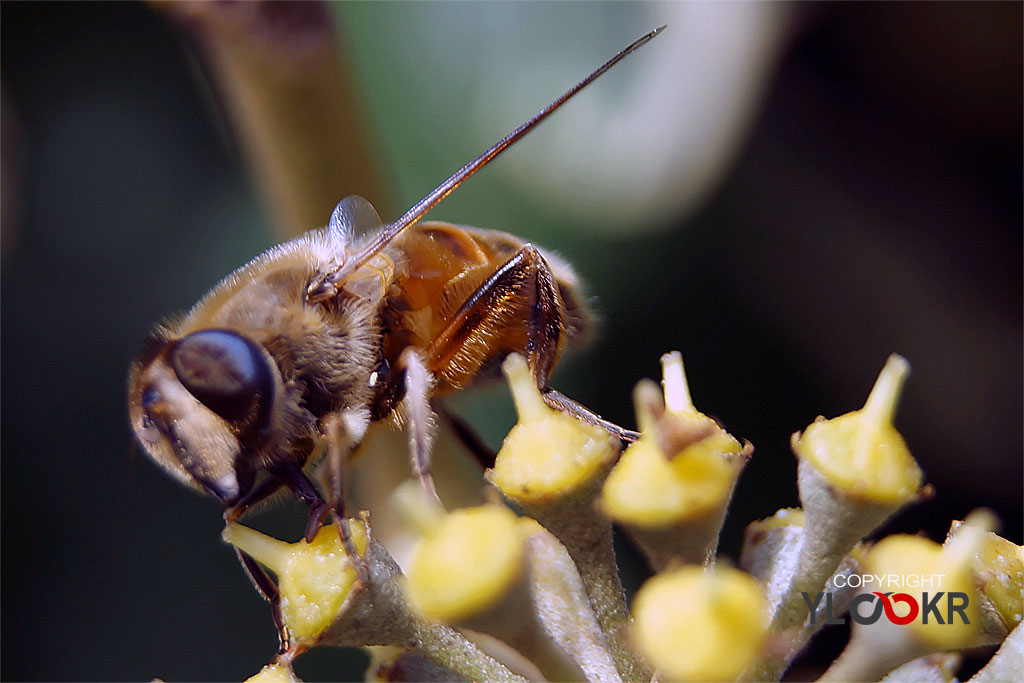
424	205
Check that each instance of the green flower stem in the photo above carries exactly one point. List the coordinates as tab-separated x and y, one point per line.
1006	664
563	609
514	620
396	665
937	668
452	650
772	667
834	525
869	657
692	542
587	536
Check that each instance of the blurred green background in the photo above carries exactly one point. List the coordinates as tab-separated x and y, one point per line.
786	195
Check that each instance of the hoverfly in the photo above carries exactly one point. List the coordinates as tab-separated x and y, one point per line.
299	351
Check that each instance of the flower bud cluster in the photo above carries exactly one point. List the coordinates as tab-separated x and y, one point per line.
528	588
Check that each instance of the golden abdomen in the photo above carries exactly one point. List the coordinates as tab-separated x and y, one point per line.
439	267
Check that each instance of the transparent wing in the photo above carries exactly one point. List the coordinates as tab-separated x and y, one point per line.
353	220
354	217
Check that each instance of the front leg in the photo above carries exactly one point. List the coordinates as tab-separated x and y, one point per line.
266	587
343	431
258	576
292	476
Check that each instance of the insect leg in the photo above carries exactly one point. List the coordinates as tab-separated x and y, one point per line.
543	332
524	281
467	436
560	401
341	439
263	490
268	589
295	479
418	384
257	574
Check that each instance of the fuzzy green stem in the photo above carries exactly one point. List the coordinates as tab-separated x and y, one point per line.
514	620
564	611
1005	665
834	525
396	665
693	541
856	664
874	651
937	668
450	649
587	536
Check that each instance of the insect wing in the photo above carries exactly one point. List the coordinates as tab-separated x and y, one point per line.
354	217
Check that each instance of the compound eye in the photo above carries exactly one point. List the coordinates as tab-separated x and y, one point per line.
226	372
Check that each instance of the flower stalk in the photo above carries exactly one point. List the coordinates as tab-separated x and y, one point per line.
671	489
877	648
552	467
771	549
998	568
473	571
394	664
854	473
937	668
1005	665
495	596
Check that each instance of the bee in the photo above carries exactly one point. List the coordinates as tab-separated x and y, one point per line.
298	352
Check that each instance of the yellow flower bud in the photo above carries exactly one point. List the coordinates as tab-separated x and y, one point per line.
999	566
646	489
274	673
861	454
906	555
547	453
698	625
313	578
467	563
651	487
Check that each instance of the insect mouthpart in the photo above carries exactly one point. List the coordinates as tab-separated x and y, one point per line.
202	407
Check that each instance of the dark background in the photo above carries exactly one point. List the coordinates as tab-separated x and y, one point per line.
874	207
